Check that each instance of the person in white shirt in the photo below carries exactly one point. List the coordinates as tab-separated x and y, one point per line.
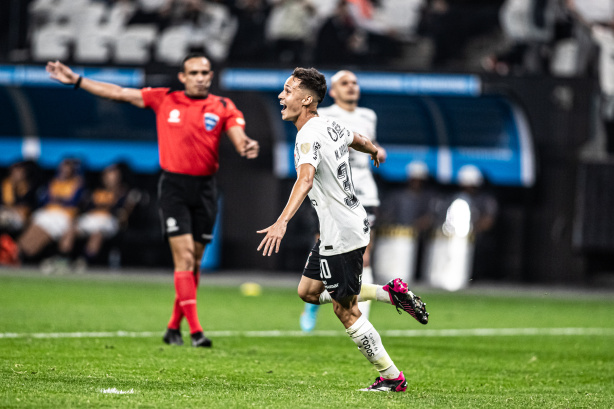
334	266
345	91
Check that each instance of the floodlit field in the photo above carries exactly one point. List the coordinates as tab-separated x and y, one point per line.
95	341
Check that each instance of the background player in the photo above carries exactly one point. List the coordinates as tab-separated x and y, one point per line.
345	91
335	263
189	125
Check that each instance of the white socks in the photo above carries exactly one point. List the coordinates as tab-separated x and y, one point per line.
367	278
325	298
370	345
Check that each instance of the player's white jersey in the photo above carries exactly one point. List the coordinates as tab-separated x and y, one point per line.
363	121
323	143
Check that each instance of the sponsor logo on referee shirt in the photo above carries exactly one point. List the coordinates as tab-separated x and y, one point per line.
174	116
171	225
211	121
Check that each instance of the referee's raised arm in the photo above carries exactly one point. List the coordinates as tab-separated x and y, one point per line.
65	75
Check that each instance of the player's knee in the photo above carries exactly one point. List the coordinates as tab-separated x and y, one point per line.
344	305
184	261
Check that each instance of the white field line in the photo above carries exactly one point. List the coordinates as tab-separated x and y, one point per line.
433	333
116	391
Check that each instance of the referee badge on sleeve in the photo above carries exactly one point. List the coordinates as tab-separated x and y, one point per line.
211	121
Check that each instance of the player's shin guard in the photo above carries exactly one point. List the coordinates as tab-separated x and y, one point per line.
370	344
185	288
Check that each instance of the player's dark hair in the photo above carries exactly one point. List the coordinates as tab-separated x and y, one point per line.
312	80
195	54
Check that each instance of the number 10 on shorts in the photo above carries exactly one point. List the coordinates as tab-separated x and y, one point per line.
324	270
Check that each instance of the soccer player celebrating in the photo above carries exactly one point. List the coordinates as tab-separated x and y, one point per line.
345	91
189	125
334	266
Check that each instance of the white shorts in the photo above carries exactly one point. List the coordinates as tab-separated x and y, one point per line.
54	222
89	224
11	219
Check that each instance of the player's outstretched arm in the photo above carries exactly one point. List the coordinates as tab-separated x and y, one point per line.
381	153
65	75
363	144
302	186
244	145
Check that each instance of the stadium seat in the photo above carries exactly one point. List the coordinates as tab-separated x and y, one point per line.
220	31
93	46
63	12
134	43
52	42
151	5
93	39
173	45
219	40
96	41
400	16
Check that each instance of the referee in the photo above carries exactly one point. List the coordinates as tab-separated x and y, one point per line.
189	125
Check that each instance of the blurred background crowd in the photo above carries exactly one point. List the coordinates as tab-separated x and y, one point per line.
546	69
560	37
63	220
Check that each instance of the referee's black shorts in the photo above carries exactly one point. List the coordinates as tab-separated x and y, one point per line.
188	205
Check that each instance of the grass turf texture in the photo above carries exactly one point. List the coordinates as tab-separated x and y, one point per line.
539	371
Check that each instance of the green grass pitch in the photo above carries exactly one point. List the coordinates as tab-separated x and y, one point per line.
524	358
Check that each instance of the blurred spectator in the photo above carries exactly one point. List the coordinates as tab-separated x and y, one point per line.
53	220
288	29
528	25
387	24
107	211
405	216
460	247
604	36
151	12
483	210
120	12
249	42
483	205
411	205
18	198
339	41
189	25
597	16
452	23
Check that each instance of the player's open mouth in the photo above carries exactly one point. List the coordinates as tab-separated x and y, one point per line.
283	107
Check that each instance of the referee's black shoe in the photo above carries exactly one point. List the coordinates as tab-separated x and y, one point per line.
200	340
172	337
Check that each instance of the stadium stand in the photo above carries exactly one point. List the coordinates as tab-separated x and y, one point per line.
134	44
